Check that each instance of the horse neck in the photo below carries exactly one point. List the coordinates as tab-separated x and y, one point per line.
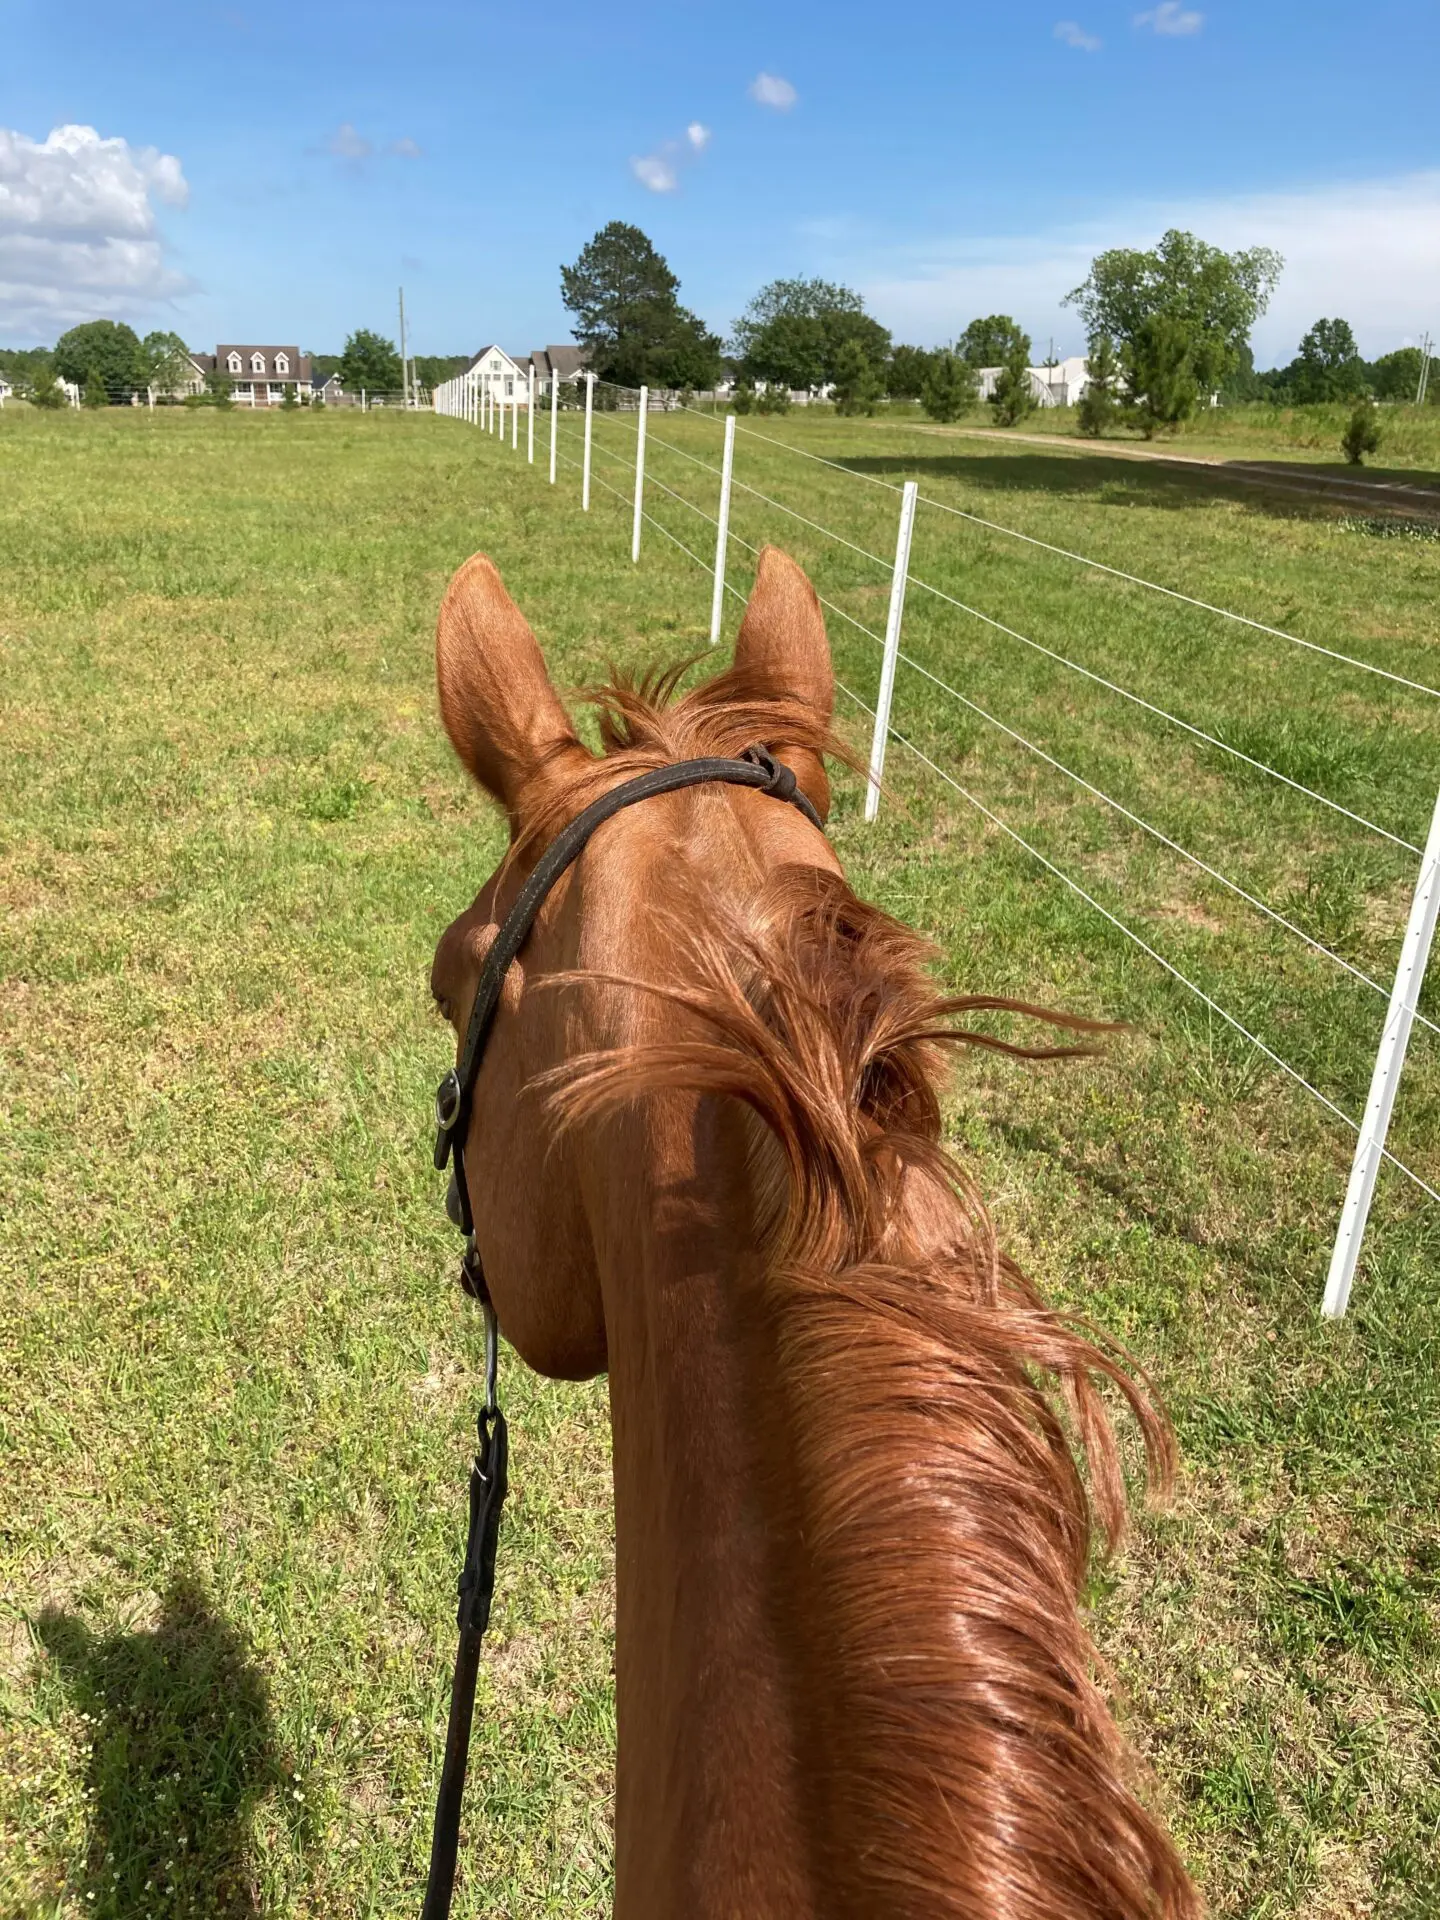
851	1677
709	1813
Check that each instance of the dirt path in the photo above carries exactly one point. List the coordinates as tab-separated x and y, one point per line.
1392	495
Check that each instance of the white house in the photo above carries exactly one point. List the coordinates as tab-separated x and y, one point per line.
504	378
507	375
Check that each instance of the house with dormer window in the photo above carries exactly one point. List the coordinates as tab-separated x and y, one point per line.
259	376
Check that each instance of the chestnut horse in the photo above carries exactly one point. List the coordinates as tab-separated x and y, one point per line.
705	1159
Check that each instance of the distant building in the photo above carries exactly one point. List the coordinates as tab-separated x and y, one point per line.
558	363
1061	385
258	376
506	376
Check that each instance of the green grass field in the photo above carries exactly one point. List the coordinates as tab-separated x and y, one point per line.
238	1377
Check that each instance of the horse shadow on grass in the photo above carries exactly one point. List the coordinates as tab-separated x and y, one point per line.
183	1749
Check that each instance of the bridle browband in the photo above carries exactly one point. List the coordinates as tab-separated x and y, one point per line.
754	768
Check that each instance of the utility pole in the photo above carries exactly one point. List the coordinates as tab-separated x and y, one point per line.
1427	352
404	363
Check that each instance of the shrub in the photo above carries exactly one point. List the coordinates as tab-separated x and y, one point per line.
948	389
742	395
857	384
773	399
1014	397
45	389
95	394
1098	404
1163	382
1362	433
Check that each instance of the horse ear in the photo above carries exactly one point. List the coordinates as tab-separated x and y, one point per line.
503	716
784	657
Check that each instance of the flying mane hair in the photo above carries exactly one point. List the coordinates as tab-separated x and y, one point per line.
941	1443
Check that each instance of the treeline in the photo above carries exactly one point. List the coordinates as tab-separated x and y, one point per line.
1328	367
109	361
104	358
1168	332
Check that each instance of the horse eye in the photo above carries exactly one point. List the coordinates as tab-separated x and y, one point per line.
442	1005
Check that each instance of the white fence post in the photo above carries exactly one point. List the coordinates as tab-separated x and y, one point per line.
554	418
722	529
589	423
892	647
530	422
514	423
639	475
1385	1081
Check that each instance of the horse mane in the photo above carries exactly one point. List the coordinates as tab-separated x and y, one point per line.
941	1439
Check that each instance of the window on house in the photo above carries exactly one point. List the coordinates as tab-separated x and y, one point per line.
257	363
509	387
234	363
282	363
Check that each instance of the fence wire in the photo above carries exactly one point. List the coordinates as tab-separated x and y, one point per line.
653	440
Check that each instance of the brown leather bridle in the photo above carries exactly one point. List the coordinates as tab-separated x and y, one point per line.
754	768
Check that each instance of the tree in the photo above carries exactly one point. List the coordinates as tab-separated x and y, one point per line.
1396	376
1098	402
105	347
95	394
1160	373
742	395
1014	396
1328	366
794	331
1362	433
907	372
1216	297
992	341
623	296
790	350
165	361
45	389
370	361
949	388
857	384
430	369
219	388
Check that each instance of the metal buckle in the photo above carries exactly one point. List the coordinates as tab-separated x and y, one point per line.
449	1104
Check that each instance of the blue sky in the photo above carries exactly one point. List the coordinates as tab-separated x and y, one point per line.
259	172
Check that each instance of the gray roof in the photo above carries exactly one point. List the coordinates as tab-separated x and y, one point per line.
299	363
566	362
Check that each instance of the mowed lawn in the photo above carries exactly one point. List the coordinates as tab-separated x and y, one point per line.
237	1380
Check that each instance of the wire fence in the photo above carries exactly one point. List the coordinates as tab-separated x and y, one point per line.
626	471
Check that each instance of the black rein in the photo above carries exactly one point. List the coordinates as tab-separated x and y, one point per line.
489	1471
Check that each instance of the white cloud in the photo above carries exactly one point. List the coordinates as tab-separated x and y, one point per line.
698	136
771	91
1363	250
1074	35
347	143
406	148
78	236
1171	17
654	171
